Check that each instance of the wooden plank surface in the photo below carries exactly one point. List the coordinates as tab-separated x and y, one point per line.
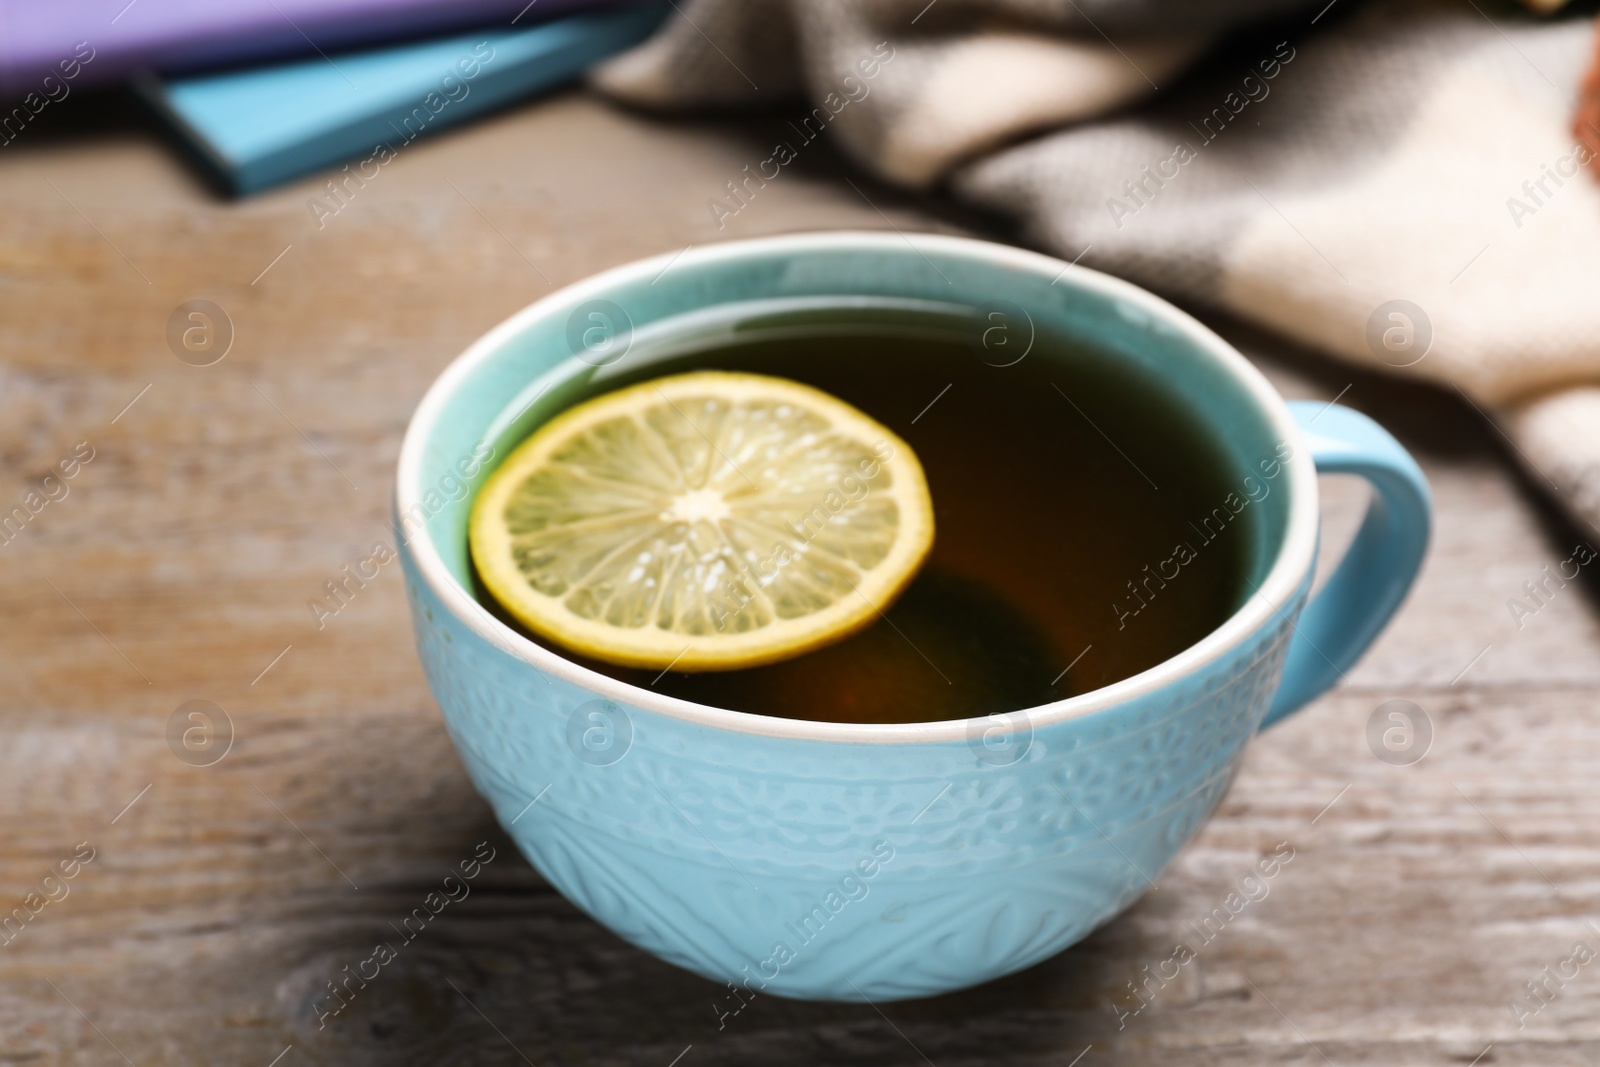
220	900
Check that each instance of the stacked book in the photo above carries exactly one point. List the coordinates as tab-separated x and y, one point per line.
261	91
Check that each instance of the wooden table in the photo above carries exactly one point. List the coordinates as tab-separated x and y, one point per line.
220	899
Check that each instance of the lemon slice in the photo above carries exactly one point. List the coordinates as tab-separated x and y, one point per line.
703	521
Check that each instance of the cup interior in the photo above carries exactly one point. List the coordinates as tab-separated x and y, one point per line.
580	341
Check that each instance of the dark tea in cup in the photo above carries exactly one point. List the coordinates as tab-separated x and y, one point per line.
1085	521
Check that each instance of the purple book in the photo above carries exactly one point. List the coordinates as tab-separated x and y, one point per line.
85	42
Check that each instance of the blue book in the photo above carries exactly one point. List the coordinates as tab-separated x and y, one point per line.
261	126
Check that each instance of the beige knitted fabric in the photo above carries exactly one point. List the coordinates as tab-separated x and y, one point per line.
1396	184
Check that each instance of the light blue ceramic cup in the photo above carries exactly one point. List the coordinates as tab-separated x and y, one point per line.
851	862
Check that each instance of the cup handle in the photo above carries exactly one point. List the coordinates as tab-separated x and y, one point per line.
1370	582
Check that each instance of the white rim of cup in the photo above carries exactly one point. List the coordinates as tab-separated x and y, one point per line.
1294	559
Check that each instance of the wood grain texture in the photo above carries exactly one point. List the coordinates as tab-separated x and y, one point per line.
220	903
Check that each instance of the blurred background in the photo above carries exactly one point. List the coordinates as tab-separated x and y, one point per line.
240	243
